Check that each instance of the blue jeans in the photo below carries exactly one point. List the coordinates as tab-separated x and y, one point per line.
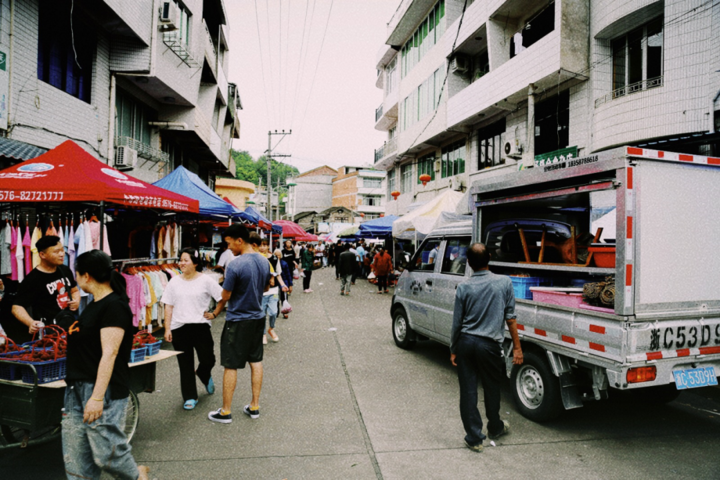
270	307
479	358
101	445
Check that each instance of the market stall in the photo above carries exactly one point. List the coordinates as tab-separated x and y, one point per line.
424	219
291	229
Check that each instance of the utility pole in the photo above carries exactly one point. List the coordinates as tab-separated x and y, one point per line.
270	156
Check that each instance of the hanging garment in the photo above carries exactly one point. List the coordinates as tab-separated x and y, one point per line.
87	230
51	230
20	256
27	242
153	245
106	242
94	235
176	241
13	252
161	240
66	245
71	249
6	238
166	243
36	235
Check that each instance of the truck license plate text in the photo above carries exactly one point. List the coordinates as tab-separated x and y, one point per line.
684	337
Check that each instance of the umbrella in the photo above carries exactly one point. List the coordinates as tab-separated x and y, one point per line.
308	237
290	229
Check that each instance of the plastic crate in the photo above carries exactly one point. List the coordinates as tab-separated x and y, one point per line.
47	372
138	354
8	371
522	285
153	348
566	297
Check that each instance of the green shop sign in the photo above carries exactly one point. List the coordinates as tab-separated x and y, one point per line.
556	157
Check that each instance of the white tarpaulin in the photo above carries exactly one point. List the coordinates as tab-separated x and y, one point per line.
423	218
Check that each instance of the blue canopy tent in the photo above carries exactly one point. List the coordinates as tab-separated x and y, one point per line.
259	219
380	227
184	182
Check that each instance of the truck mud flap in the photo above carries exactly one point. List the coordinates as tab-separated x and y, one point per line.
569	392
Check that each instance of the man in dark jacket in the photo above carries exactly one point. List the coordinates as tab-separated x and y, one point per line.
346	267
307	255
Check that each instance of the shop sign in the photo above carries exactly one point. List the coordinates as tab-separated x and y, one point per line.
558	156
4	91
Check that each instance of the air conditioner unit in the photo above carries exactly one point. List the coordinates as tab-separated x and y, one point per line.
457	183
169	15
125	158
513	150
459	64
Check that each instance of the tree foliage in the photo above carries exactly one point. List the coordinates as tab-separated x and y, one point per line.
249	169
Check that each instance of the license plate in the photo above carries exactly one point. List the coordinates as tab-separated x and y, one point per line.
695	377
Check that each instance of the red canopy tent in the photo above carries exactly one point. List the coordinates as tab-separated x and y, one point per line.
290	229
308	237
68	173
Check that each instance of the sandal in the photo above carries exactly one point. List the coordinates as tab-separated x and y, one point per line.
190	404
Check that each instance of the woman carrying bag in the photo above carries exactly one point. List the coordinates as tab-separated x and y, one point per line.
187	324
98	352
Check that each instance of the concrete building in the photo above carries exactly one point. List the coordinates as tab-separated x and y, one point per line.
509	84
139	84
311	191
237	191
361	190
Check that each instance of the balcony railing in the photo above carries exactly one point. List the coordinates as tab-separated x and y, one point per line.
388	148
210	50
144	151
378	113
628	89
178	46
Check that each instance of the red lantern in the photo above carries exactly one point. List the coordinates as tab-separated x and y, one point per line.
362	215
395	194
425	178
382	215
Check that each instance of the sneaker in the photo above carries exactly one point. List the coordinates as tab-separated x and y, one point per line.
475	448
505	430
264	339
273	335
210	387
254	414
219	417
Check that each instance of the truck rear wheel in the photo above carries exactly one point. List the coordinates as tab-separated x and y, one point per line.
535	389
403	335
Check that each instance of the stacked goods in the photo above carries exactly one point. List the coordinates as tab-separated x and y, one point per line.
600	294
144	345
46	355
8	351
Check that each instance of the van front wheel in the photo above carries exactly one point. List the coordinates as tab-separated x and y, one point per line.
404	336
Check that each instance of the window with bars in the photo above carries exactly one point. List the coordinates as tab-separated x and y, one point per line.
372	200
422	101
372	182
638	59
406	178
65	62
453	159
426	165
552	123
391	181
491	140
534	29
423	39
132	117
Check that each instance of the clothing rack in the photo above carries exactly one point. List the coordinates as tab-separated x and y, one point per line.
134	261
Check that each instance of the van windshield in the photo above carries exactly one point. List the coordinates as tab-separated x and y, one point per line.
425	258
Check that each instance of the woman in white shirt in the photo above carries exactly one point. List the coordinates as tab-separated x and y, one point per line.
187	324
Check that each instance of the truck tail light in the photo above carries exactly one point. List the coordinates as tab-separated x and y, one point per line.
641	374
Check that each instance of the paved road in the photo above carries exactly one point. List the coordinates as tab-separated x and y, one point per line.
341	401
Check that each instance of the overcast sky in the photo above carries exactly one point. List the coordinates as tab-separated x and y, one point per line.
324	92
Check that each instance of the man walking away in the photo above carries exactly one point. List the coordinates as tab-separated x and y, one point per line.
346	267
246	278
382	266
339	248
359	256
482	305
307	256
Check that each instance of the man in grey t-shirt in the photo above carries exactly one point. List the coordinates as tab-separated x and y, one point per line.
246	278
483	305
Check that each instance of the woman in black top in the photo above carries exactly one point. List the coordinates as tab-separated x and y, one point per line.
98	352
288	254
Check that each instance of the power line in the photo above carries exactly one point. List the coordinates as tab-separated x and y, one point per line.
317	65
302	67
262	63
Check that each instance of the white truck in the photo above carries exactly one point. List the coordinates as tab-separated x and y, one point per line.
658	208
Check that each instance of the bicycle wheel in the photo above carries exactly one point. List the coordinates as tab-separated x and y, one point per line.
132	416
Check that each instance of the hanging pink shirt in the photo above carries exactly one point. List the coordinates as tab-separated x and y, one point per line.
13	251
28	254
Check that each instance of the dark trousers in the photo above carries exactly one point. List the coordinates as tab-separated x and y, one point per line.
337	270
357	271
382	282
479	358
306	279
195	336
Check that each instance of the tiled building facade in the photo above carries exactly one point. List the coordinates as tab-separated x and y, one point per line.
476	90
144	75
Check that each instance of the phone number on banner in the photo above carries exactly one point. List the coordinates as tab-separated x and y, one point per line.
146	201
30	196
